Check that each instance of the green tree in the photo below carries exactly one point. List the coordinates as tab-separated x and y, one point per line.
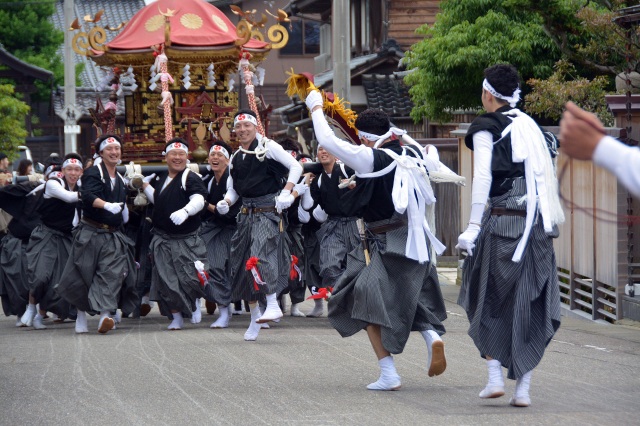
12	115
27	32
470	35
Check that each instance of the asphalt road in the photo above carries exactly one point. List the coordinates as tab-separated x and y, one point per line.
300	372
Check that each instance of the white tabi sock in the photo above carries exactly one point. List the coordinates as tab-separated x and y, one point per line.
273	311
177	322
196	316
223	319
254	328
318	309
389	378
29	314
37	322
495	385
436	361
81	322
521	396
106	322
295	310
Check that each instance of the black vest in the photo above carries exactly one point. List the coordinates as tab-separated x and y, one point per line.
174	197
503	169
23	208
216	191
328	195
253	178
96	185
57	214
372	197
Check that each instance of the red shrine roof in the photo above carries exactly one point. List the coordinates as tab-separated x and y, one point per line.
195	23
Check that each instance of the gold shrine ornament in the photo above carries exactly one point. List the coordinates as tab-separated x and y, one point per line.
191	21
220	23
154	23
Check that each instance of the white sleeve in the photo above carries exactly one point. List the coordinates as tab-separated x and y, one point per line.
358	157
307	200
195	204
482	153
54	189
231	193
303	215
150	191
125	214
621	160
277	152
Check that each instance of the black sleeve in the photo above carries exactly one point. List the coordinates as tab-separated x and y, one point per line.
314	190
195	185
92	186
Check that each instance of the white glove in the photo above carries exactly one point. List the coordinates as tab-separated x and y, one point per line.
301	188
466	240
314	98
222	207
148	179
113	208
179	216
319	214
284	200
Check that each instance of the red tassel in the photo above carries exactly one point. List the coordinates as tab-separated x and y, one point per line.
253	263
293	274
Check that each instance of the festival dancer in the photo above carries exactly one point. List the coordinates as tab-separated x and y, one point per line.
217	230
259	260
50	242
100	274
338	234
21	201
295	242
390	286
510	282
178	197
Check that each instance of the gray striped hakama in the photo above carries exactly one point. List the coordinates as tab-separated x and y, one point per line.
311	258
513	308
295	243
100	274
217	240
14	287
258	235
47	255
337	237
397	293
174	279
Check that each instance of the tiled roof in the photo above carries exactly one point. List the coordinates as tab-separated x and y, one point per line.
322	78
115	12
85	99
387	92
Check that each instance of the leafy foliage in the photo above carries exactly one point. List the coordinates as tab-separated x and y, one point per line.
549	96
12	115
27	33
471	35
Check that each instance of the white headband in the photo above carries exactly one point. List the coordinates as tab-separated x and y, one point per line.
72	162
512	100
368	136
58	175
175	145
108	141
305	160
245	117
219	148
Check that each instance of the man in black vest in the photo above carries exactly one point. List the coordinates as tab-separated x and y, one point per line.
100	273
259	258
390	286
218	229
338	234
178	198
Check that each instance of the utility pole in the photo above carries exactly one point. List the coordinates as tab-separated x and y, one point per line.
341	43
70	114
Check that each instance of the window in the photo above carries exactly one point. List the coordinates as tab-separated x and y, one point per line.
304	39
